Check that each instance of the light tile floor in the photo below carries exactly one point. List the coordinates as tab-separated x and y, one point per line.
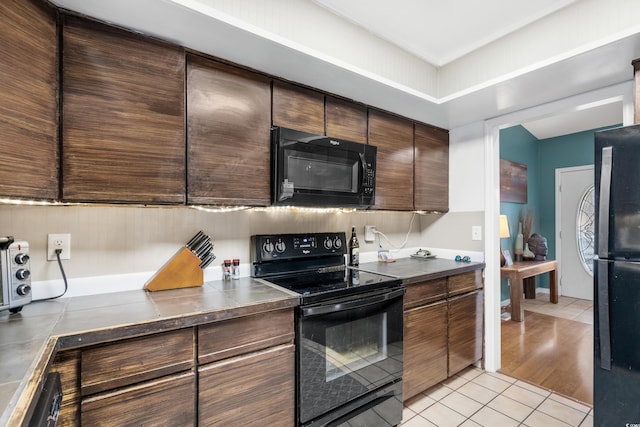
478	398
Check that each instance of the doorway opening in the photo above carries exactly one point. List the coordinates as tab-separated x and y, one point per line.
621	94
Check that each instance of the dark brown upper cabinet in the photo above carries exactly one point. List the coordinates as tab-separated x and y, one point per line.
393	136
29	159
431	168
346	120
298	108
123	136
228	121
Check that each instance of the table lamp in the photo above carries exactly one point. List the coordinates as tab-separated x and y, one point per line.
504	233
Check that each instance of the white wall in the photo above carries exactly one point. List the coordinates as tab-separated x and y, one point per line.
108	240
466	168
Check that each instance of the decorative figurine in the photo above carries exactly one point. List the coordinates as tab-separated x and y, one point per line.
538	245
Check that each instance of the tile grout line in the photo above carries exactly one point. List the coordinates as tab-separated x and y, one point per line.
558	419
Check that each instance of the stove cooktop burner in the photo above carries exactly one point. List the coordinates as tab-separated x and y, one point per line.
315	286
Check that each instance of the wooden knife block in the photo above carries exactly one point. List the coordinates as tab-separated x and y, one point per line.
181	271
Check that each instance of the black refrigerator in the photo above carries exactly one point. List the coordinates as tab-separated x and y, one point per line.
616	400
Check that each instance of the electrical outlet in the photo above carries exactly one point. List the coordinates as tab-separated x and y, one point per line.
369	233
58	241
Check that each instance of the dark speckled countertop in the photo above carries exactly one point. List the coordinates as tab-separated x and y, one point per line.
412	270
29	339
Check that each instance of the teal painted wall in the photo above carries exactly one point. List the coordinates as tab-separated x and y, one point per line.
542	158
566	151
518	145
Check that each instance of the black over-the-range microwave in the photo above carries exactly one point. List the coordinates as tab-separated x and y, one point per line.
319	171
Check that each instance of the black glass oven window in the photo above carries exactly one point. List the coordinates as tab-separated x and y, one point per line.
355	345
345	354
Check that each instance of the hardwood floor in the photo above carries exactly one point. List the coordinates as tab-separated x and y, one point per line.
552	352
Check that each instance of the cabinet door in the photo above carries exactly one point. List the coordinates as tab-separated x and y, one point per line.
257	389
298	108
67	364
123	116
394	164
228	145
465	331
425	348
28	107
431	168
168	401
346	120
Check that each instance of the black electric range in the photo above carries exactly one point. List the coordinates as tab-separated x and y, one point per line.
312	265
349	330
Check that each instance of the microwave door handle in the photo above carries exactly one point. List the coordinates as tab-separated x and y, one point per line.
603	205
363	165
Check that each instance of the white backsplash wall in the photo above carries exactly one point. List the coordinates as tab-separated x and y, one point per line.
453	231
122	240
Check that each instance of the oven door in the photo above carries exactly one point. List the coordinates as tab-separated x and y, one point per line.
314	170
348	348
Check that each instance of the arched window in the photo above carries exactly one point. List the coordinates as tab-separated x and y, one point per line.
585	229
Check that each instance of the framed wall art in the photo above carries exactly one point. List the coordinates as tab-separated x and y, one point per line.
513	182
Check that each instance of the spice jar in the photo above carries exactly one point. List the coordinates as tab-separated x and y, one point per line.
226	269
235	269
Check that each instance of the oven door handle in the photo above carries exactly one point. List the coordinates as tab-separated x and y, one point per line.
351	304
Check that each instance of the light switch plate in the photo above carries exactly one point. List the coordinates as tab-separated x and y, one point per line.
476	232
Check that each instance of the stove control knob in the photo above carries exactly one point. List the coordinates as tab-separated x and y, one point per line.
280	246
337	243
328	244
23	290
267	247
22	258
23	274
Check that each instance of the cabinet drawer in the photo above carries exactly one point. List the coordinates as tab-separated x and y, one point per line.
465	282
233	337
135	360
256	389
169	401
425	292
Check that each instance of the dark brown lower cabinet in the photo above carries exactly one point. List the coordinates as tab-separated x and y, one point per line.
239	371
167	401
465	330
443	329
67	364
425	348
255	389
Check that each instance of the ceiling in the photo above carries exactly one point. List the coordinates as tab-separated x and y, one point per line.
437	31
441	31
410	25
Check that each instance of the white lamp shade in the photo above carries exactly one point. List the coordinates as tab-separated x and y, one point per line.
504	227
